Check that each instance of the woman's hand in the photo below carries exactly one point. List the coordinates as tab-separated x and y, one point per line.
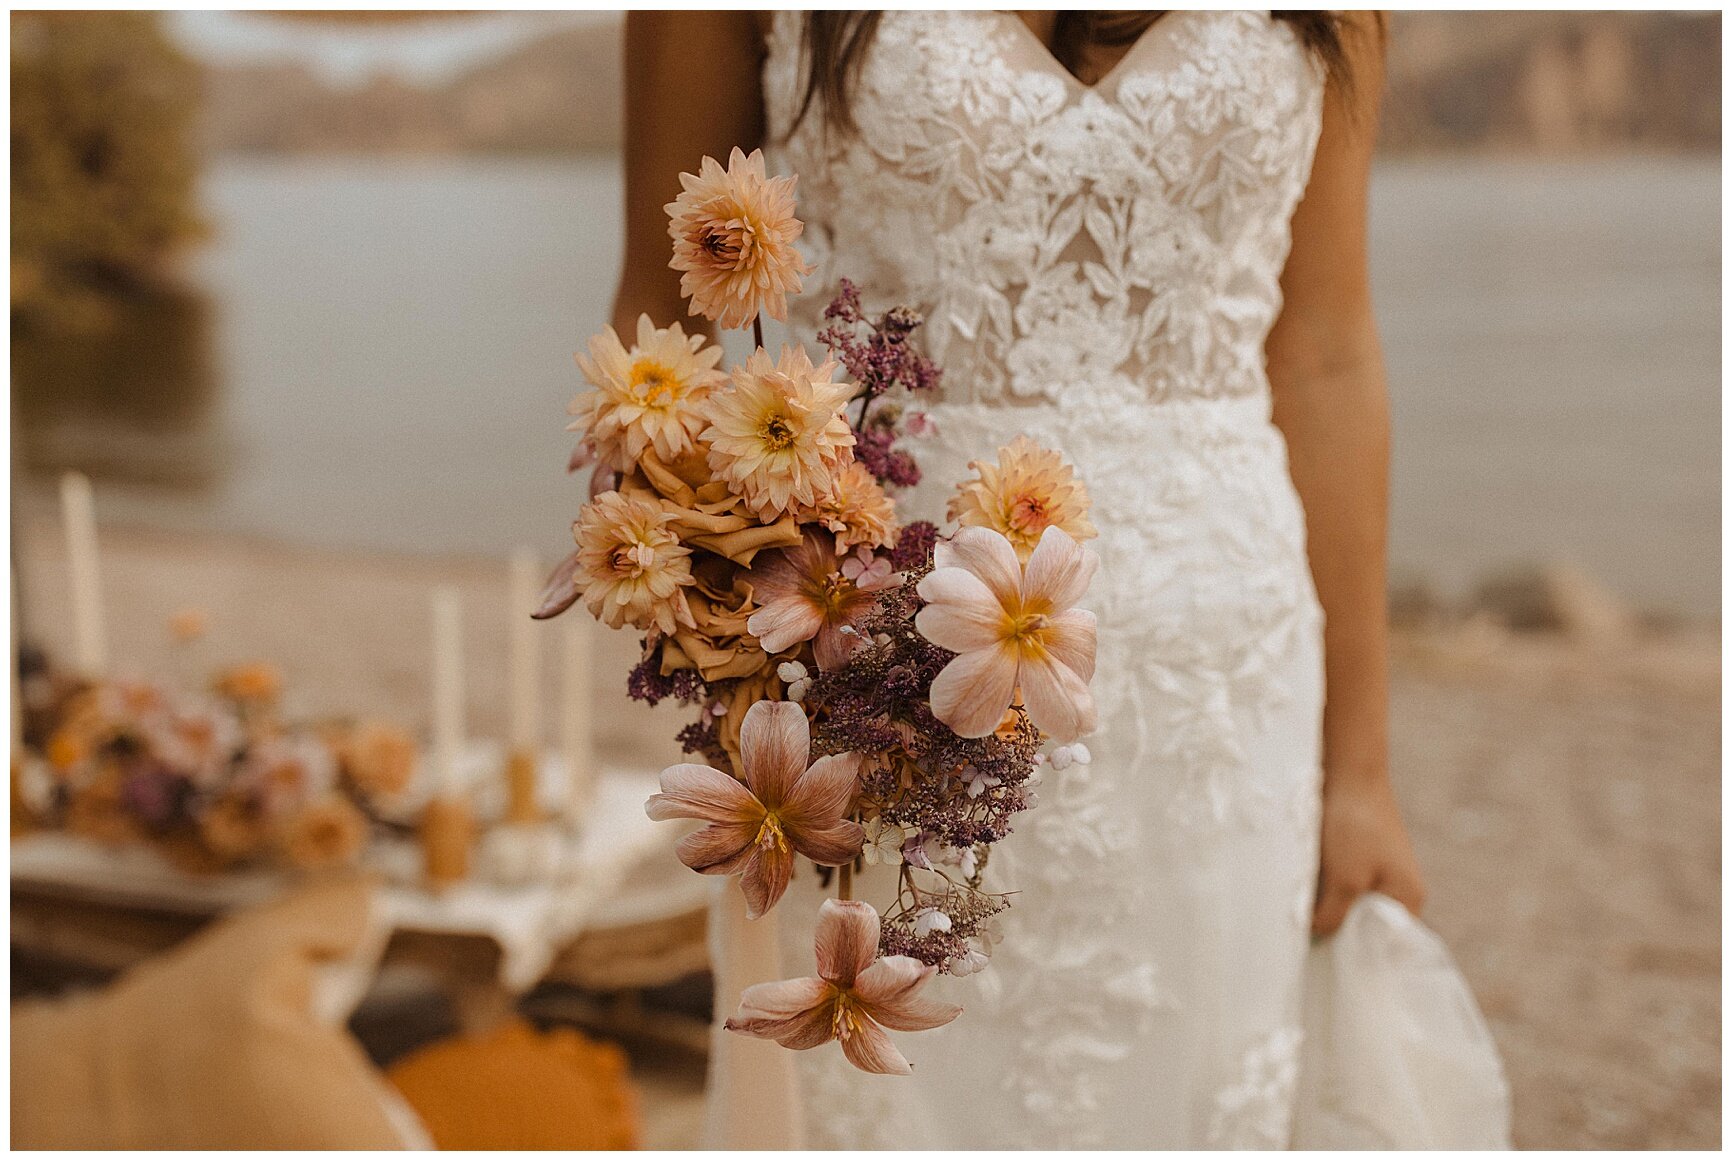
1365	848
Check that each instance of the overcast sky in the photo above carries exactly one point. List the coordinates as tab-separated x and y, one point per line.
424	51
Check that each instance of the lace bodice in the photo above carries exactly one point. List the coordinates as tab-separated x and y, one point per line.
1068	243
1099	268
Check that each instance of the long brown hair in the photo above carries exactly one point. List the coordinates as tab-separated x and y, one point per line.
835	45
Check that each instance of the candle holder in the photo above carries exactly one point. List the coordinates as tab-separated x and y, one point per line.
447	841
522	787
23	816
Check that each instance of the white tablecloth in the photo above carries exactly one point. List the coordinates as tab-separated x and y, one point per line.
613	847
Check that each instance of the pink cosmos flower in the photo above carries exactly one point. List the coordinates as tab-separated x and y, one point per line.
854	998
805	593
783	806
1014	630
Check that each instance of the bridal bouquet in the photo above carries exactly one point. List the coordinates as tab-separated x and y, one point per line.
863	691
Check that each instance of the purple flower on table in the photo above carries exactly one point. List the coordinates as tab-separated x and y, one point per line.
153	793
854	998
784	806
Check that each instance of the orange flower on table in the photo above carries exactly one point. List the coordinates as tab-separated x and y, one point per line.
630	569
379	758
325	833
97	811
234	827
646	397
783	806
256	681
855	996
1029	489
66	749
777	434
187	625
856	509
1015	631
807	593
733	231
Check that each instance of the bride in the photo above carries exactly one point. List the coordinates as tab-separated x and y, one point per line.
1140	238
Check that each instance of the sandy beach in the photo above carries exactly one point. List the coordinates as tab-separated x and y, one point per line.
1564	795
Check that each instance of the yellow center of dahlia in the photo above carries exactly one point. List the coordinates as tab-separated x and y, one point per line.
770	834
720	245
778	433
654	382
1029	514
633	559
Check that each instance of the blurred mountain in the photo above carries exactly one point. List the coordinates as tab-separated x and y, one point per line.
1539	82
1553	82
557	94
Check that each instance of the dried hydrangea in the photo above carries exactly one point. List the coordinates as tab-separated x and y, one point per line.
880	358
955	796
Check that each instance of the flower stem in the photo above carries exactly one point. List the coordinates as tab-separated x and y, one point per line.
758	330
845	881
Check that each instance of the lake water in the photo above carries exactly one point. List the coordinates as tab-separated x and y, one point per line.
390	357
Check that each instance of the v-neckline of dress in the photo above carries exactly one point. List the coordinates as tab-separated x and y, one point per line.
1107	79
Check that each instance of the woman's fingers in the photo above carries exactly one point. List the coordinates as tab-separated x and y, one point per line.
1337	894
1333	901
1406	888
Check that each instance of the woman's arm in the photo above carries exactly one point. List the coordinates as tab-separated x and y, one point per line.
692	89
1326	370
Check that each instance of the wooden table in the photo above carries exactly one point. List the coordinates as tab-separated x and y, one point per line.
100	910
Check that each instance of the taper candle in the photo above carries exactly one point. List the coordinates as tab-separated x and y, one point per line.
447	691
577	741
525	585
78	512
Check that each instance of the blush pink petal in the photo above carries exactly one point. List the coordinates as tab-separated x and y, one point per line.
718	849
954	586
1057	700
783	999
959	628
690	790
784	623
795	1013
1058	571
870	1049
847	940
888	988
892	978
914	1014
987	555
832	647
823	794
809	1030
962	614
774	743
765	878
830	846
971	694
1071	641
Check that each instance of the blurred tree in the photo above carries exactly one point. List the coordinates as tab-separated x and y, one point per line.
104	167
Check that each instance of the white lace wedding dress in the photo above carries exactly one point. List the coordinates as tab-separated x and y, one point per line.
1099	268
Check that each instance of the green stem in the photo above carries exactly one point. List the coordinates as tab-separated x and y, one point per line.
845	881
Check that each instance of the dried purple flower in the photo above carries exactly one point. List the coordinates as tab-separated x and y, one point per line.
914	546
